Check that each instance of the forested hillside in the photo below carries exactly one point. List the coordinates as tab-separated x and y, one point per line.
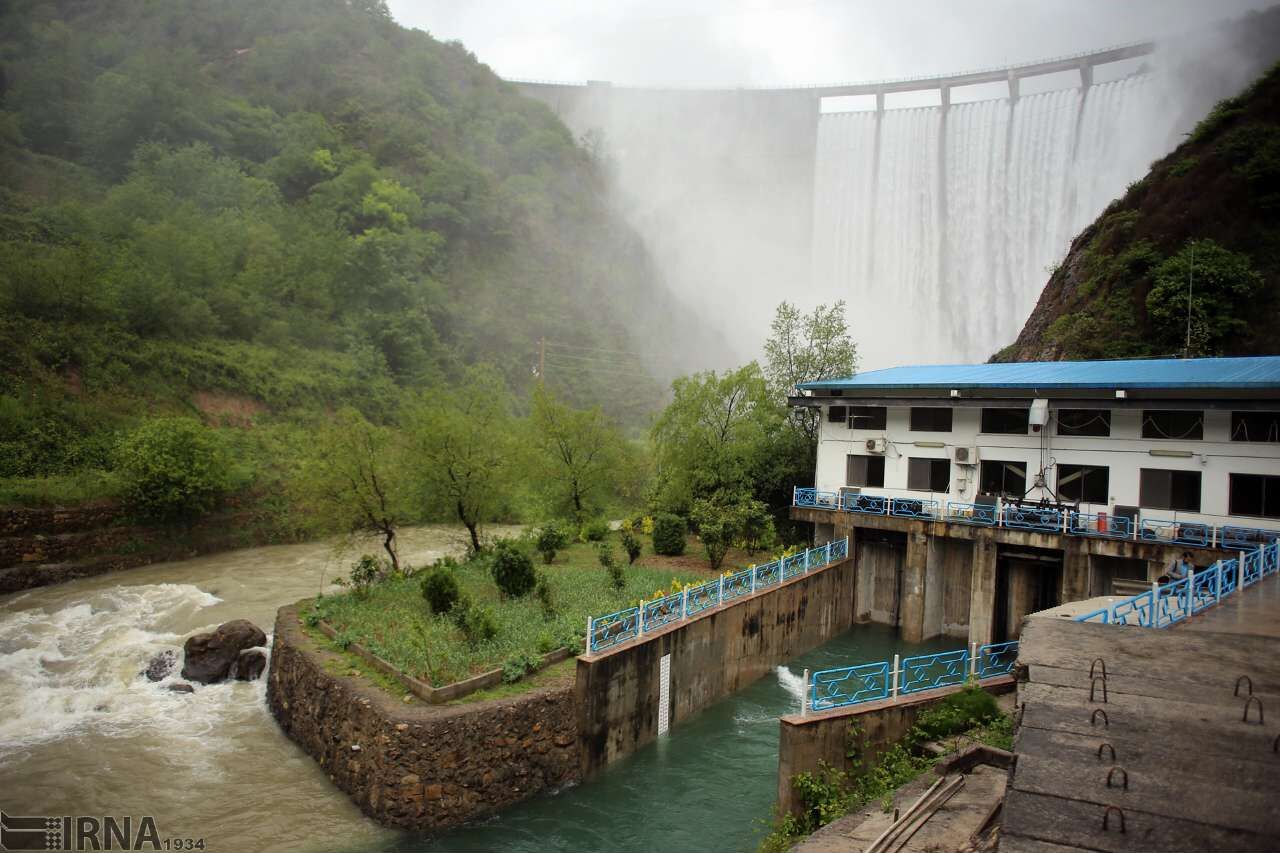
1188	261
262	212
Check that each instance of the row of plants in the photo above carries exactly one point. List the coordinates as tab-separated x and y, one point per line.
497	608
830	793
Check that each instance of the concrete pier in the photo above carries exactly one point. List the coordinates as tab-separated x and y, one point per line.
933	578
1170	751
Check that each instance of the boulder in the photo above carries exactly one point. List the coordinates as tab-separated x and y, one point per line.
249	665
207	658
161	665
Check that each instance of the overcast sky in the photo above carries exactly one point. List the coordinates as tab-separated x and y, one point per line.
788	42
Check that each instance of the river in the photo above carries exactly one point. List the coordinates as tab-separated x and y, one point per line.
82	733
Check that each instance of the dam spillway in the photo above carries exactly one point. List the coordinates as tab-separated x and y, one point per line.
950	218
938	225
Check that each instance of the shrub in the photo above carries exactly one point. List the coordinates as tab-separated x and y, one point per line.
545	598
616	576
440	589
595	530
668	534
551	538
756	526
631	545
718	526
518	667
475	621
513	571
957	713
173	468
363	574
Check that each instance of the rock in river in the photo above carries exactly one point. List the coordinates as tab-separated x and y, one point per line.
161	665
249	665
207	658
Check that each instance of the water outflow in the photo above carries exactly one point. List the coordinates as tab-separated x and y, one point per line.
940	228
708	785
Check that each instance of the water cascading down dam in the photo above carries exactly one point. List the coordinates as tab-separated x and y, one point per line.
936	224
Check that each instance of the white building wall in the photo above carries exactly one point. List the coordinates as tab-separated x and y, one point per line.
1125	452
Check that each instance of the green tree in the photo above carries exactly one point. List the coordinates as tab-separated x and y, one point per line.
174	468
804	348
714	436
462	448
576	453
355	481
1207	286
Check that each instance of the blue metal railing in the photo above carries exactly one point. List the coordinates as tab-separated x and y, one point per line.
1100	524
870	682
913	508
963	513
1167	604
1033	518
1195	534
605	632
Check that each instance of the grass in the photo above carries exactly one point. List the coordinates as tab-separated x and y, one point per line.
60	489
393	621
551	675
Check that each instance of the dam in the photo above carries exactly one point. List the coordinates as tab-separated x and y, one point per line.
941	203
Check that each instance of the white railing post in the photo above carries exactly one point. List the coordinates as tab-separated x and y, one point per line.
591	624
804	696
999	512
684	603
795	496
753	580
1064	522
640	621
973	659
894	676
719	591
1137	523
807	552
1240	562
1213	536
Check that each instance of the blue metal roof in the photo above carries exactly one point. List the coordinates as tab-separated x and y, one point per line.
1200	373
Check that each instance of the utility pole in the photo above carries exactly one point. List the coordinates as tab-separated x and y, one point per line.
1191	277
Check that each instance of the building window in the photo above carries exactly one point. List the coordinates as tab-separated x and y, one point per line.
1087	422
1168	423
1173	490
837	414
867	417
1088	484
928	475
1255	494
1005	421
1003	478
1255	426
930	420
864	471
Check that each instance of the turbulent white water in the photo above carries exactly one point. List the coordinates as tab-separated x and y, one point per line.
74	671
941	255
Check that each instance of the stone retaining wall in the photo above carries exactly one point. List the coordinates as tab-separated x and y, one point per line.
413	765
46	545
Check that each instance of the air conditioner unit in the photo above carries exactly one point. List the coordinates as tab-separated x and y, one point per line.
964	455
875	445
